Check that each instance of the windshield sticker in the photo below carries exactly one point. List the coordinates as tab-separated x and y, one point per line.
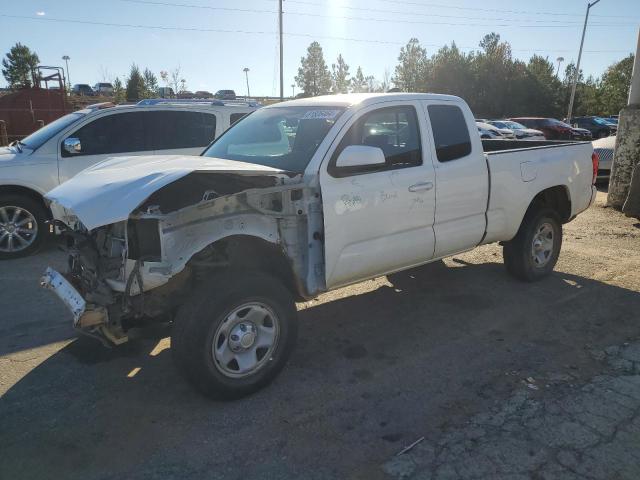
320	115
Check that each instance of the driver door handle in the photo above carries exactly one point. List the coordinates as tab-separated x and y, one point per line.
421	187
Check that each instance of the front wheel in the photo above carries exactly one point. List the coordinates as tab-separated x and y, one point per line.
235	334
533	252
22	226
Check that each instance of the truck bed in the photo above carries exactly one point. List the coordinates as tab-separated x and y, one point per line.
518	169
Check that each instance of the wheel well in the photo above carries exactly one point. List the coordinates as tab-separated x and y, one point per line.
27	192
247	252
556	198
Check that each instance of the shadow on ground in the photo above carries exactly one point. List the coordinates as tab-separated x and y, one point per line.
372	372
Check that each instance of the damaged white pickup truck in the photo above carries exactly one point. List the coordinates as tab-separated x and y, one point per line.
294	200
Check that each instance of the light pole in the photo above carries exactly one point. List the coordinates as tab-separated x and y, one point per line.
281	48
246	74
577	72
293	90
66	61
559	60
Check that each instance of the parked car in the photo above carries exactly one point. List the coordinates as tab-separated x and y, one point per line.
203	94
497	133
520	131
612	119
553	129
61	149
297	199
605	148
186	94
487	134
103	88
83	89
599	127
502	128
225	95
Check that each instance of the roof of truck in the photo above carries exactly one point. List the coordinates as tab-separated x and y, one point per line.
349	99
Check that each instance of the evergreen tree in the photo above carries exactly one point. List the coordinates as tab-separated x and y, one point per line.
313	75
150	84
359	82
135	84
19	65
411	72
340	76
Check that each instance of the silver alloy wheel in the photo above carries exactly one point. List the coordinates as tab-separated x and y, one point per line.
18	229
542	245
245	340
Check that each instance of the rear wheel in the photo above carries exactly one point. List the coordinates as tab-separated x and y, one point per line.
533	252
22	226
235	334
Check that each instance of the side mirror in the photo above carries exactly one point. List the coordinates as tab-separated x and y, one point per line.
360	156
72	145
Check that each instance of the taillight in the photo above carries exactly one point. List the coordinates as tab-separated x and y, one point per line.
595	160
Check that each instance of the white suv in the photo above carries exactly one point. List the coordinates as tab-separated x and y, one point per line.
55	153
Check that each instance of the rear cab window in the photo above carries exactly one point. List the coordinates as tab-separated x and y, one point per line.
450	132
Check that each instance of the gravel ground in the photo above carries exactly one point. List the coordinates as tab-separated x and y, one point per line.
502	379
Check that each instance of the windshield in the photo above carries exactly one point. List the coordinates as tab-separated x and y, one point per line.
37	138
279	137
515	126
602	121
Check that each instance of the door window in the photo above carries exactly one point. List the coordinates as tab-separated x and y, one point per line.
116	133
179	129
450	132
392	129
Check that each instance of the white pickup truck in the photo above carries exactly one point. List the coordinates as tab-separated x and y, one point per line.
294	200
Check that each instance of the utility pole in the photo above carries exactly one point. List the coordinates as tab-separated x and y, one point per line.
246	74
559	60
281	56
577	72
66	60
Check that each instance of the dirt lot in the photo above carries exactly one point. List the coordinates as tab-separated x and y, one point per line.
441	352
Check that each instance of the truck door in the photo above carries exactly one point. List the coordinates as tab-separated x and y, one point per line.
379	220
461	175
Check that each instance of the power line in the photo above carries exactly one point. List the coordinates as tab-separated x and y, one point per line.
258	32
454	7
563	23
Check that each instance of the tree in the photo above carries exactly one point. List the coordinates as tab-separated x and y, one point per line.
19	65
614	87
359	82
340	76
313	75
150	84
135	84
175	78
410	74
451	72
119	92
494	72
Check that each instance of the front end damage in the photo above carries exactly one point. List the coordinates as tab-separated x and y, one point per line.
141	269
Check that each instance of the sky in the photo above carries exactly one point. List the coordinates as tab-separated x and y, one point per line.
212	41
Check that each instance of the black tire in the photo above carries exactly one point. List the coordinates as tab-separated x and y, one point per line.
200	317
518	252
39	213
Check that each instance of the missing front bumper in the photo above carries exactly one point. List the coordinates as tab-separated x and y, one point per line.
88	318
